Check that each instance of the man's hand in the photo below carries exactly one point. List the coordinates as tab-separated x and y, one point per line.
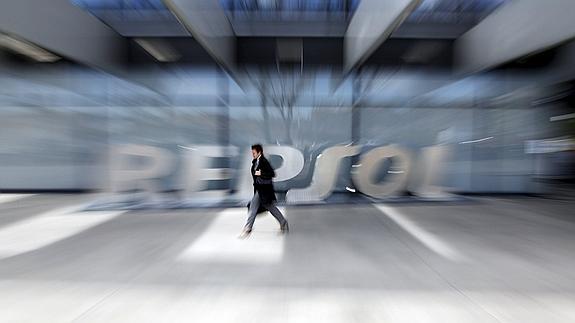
258	173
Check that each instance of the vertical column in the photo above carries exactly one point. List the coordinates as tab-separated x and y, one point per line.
355	108
224	125
224	109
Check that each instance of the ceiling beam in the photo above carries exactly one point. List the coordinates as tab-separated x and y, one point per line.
373	22
65	30
517	29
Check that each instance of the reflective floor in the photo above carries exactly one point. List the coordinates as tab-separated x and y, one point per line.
485	260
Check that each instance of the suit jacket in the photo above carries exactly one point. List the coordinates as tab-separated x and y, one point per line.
266	191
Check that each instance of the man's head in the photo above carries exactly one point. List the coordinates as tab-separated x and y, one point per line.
257	150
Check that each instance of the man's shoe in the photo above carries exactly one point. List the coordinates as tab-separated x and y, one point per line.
245	233
285	229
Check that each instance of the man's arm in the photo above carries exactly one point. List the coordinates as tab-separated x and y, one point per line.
267	172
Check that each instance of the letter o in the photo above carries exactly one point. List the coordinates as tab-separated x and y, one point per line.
364	175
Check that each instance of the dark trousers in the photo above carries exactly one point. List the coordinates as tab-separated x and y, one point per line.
255	205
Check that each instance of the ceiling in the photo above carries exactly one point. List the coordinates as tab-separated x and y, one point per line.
289	18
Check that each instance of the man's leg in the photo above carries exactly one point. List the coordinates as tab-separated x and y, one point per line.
254	206
277	214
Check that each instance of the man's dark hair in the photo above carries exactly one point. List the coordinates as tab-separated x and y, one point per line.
258	148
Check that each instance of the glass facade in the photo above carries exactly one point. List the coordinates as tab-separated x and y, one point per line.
62	139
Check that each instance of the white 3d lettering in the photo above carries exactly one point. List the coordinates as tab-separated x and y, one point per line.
419	178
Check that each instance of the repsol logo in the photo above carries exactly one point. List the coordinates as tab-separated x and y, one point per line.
416	175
